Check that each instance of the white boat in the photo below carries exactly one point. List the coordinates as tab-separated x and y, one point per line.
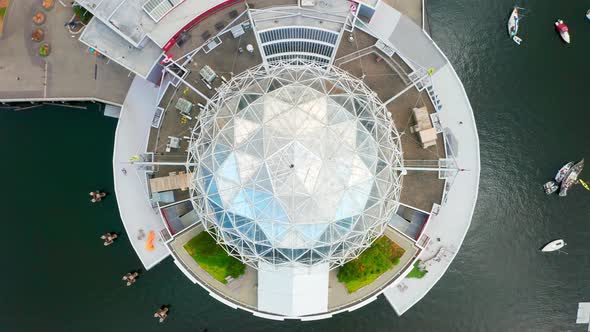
563	30
571	178
550	187
563	172
513	23
553	245
517	40
588	14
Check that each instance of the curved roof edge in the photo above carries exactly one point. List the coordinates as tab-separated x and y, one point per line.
445	232
130	189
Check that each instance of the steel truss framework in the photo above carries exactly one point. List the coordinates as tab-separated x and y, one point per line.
296	163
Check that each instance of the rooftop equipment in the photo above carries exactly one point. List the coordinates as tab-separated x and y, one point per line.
426	133
184	106
237	31
208	74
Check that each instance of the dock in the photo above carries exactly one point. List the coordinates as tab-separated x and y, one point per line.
583	314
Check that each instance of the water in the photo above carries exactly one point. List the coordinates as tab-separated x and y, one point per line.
530	107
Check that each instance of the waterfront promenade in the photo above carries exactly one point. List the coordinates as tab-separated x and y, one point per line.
70	72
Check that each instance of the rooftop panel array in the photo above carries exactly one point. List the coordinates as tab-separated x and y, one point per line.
157	9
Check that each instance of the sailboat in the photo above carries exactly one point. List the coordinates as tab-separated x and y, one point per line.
563	30
563	172
552	186
571	178
553	245
513	21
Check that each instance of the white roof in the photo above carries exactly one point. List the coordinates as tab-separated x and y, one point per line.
132	22
407	38
293	291
140	61
130	138
178	18
450	224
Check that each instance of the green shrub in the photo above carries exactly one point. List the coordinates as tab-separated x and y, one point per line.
2	12
44	50
381	256
212	258
83	15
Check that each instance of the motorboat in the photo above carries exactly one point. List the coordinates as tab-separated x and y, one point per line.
588	14
563	30
563	172
517	40
513	23
550	187
571	178
553	245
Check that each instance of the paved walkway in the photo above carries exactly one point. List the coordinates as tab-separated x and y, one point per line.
137	214
447	228
70	71
412	9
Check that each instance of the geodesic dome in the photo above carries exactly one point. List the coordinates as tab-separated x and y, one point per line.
296	163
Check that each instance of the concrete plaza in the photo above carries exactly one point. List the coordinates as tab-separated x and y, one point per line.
70	72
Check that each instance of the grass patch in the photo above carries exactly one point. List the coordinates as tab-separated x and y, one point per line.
2	12
380	257
213	259
416	272
83	15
